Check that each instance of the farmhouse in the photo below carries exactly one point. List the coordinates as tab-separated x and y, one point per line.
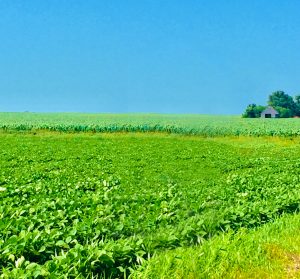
269	112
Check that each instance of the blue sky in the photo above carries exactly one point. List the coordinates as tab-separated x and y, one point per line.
165	56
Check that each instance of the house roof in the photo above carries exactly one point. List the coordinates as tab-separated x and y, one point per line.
270	110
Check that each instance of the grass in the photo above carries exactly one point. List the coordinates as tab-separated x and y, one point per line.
271	251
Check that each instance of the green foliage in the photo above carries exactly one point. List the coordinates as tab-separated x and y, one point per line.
271	251
285	112
282	100
297	102
284	104
204	125
253	111
91	206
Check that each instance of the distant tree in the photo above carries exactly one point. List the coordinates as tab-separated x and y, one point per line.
285	112
253	111
297	102
284	103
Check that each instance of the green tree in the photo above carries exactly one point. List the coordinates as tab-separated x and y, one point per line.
297	102
253	111
284	103
285	112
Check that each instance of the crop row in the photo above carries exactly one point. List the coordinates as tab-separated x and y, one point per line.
204	125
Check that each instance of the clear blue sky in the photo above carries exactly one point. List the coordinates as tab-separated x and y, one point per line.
170	56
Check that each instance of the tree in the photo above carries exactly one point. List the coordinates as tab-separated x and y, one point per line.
284	103
286	106
297	102
253	111
285	112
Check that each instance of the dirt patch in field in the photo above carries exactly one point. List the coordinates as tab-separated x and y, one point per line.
293	268
289	261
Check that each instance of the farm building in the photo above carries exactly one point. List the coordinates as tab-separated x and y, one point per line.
269	112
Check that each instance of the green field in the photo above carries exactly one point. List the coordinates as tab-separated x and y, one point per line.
193	124
113	205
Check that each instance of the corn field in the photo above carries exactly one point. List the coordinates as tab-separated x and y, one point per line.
204	125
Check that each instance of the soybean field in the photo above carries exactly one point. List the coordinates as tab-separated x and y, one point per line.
101	205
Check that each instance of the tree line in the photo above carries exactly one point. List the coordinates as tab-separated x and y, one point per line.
286	105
